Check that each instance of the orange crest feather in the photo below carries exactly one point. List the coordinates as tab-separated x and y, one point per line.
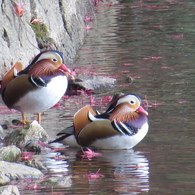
123	113
42	68
10	75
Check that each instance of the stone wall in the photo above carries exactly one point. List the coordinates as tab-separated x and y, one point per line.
34	25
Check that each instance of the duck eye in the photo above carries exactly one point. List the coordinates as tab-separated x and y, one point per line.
54	60
132	102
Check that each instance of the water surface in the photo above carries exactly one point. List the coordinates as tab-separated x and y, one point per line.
151	44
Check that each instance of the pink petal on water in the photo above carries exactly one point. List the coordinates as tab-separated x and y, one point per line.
136	77
157	104
165	67
153	58
182	102
35	187
89	154
94	175
135	6
87	19
107	98
128	64
176	36
158	26
88	28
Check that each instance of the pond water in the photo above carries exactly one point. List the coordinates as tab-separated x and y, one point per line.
148	47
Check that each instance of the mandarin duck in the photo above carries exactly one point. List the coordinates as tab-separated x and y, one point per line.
39	86
122	126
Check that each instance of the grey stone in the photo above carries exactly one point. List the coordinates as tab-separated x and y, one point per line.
9	190
59	181
18	171
3	179
36	164
96	82
28	137
10	153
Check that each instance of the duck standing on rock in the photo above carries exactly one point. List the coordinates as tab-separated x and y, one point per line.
122	126
39	86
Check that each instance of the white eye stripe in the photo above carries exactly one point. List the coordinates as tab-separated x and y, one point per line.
49	55
128	98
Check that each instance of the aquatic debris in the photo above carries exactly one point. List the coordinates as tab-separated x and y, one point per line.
165	67
136	77
34	187
88	28
96	175
87	19
158	104
153	58
150	6
153	104
92	100
89	154
88	91
43	144
149	105
157	6
128	64
176	36
57	149
158	26
107	99
59	106
26	156
125	71
177	3
182	102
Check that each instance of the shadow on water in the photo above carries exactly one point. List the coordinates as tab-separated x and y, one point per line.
150	43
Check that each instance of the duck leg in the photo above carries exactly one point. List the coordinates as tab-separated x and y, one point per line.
39	117
24	120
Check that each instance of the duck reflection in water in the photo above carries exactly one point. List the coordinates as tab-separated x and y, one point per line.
118	172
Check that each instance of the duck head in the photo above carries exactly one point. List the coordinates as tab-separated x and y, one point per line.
46	63
126	108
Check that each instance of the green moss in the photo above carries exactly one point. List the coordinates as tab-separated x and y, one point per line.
42	35
40	30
